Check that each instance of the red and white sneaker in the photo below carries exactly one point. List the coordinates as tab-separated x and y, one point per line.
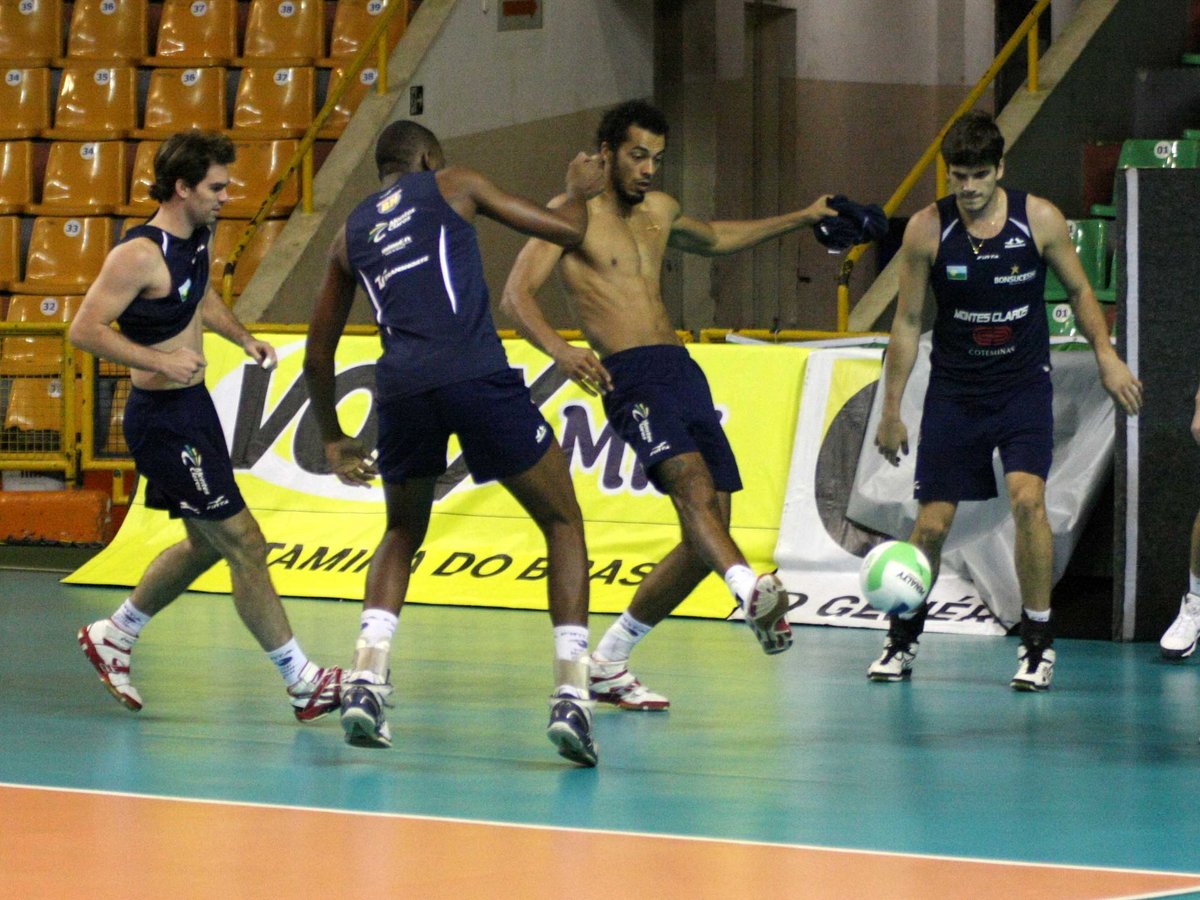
613	683
317	693
107	648
766	614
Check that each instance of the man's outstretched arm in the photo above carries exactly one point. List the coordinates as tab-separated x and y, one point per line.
723	237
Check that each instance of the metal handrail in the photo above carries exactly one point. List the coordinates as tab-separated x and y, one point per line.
1027	31
375	43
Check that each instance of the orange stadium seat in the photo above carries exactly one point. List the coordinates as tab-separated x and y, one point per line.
32	354
140	204
284	32
16	176
65	254
35	404
227	234
178	99
95	104
106	30
10	250
274	102
31	34
82	179
25	99
353	22
195	34
348	102
255	171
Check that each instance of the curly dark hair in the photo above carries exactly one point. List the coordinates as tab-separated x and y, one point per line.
187	156
973	140
614	127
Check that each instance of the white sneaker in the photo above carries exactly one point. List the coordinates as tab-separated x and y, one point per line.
317	692
1035	669
107	648
613	683
896	662
1179	641
766	614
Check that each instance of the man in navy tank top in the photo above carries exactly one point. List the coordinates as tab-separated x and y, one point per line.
983	251
412	248
655	396
155	284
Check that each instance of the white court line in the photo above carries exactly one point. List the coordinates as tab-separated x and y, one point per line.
616	833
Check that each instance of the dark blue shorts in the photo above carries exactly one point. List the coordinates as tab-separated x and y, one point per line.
661	406
501	432
958	435
177	443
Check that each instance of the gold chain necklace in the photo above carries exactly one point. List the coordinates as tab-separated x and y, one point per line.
977	248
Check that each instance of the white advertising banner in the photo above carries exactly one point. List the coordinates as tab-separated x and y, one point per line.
820	550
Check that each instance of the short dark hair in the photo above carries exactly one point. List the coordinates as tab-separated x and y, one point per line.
401	144
973	140
187	155
614	126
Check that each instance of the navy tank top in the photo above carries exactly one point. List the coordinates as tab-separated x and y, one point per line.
150	321
990	332
419	262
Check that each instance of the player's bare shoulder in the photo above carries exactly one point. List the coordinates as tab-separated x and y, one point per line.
1042	214
661	208
922	234
137	261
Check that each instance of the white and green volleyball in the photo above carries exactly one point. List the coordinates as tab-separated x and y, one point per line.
895	577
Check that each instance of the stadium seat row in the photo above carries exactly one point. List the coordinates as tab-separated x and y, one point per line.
99	104
189	33
65	254
95	178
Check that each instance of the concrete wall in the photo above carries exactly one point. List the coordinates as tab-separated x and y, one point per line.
516	105
767	113
1094	99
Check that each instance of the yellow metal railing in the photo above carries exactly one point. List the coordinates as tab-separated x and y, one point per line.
39	429
1027	32
376	44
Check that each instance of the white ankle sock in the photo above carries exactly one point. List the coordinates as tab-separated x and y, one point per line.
1194	584
741	580
377	625
570	641
622	636
289	660
1037	615
129	618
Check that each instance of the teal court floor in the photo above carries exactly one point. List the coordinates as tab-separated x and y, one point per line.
1101	774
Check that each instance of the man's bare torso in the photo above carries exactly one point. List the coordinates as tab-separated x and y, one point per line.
613	277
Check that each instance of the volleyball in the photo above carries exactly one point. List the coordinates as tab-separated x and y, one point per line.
895	577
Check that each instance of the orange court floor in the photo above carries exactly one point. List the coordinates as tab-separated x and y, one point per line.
770	777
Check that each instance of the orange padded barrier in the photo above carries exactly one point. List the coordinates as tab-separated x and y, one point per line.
66	517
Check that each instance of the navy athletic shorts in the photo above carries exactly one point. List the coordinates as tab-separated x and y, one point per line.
958	435
661	406
177	443
501	432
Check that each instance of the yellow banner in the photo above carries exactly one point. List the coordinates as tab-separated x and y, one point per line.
481	549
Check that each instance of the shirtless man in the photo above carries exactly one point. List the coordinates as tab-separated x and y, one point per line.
155	284
655	396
